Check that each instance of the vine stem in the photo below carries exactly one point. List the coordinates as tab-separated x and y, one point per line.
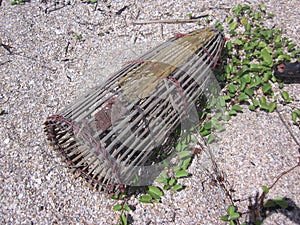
285	172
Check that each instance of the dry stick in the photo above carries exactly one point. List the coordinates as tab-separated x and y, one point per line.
287	127
215	167
284	173
2	63
168	21
263	195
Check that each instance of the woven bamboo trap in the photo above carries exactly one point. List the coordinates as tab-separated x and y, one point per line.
118	129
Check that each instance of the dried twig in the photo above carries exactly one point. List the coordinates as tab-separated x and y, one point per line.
2	63
288	128
7	47
284	173
170	21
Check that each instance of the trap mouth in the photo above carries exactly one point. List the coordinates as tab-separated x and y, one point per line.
120	133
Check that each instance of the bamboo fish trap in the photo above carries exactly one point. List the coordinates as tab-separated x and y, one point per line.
114	131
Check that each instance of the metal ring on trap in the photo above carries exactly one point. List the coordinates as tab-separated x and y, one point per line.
116	130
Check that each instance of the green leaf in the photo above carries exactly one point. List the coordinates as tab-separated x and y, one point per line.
266	88
255	102
262	44
222	100
248	27
295	115
126	207
233	26
218	25
237	108
232	88
237	10
262	7
230	210
255	84
245	7
251	107
234	216
177	187
155	192
204	132
249	92
207	125
264	106
269	204
281	202
248	47
243	85
217	125
244	21
163	178
172	182
270	15
237	42
278	45
227	97
286	96
226	117
291	47
284	57
229	19
246	62
263	100
181	173
210	138
166	187
266	57
243	70
255	67
295	53
265	189
123	219
186	163
267	34
263	103
117	207
257	16
180	146
145	199
184	154
115	197
242	97
232	113
224	218
266	76
229	46
272	107
277	38
207	20
246	78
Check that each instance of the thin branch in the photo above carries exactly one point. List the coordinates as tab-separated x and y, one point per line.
288	128
168	21
284	173
2	63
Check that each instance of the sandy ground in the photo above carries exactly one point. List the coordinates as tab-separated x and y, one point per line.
51	53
